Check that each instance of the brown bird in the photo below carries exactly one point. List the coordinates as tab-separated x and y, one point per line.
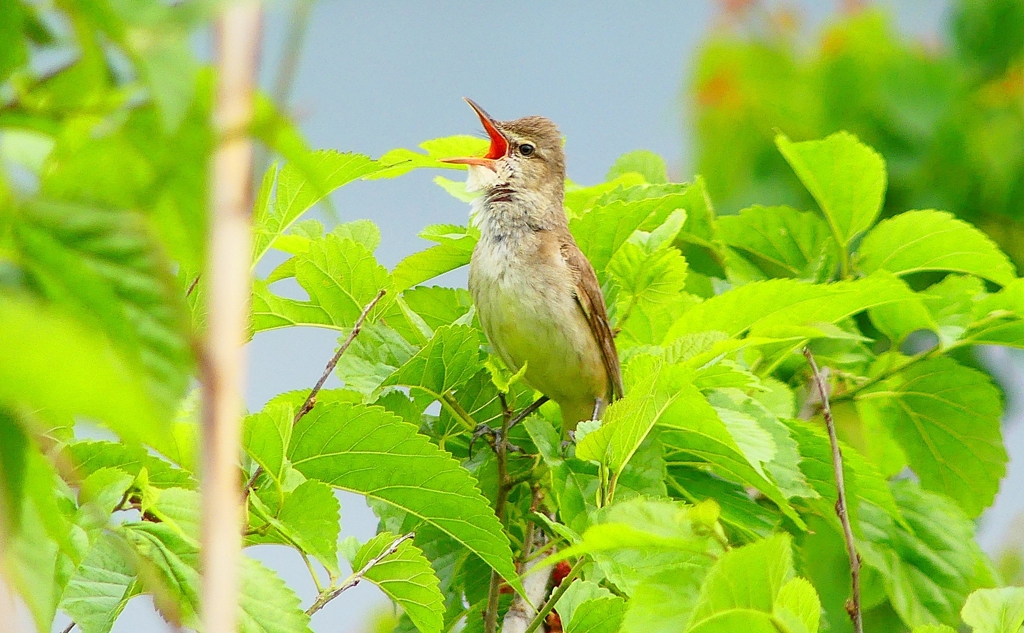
536	294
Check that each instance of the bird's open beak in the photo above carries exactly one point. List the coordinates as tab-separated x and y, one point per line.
499	144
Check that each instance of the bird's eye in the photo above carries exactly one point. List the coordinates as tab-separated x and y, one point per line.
526	149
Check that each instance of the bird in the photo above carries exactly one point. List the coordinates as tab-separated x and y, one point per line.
536	294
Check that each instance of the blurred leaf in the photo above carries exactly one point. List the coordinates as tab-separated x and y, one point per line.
105	267
372	452
641	161
171	561
927	570
401	161
90	456
407	578
14	445
946	417
54	363
995	610
933	240
846	178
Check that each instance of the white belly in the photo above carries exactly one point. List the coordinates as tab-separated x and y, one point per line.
530	315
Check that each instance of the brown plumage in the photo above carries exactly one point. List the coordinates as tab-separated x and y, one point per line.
536	294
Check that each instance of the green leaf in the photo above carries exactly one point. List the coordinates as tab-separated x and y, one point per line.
934	628
747	578
43	348
946	417
372	452
644	162
438	306
602	615
106	268
101	586
692	430
170	562
40	557
265	437
454	249
312	513
929	569
781	241
863	481
797	607
846	178
13	49
765	440
650	290
407	578
933	240
401	161
372	357
298	186
633	539
995	610
90	456
779	305
576	595
606	227
626	422
341	277
449	359
14	445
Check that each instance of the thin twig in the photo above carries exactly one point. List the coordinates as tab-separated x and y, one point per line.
853	607
68	628
192	286
356	577
310	401
525	413
501	453
222	361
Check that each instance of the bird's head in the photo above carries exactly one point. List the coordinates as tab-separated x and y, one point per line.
525	155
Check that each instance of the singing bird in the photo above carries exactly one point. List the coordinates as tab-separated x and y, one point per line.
535	292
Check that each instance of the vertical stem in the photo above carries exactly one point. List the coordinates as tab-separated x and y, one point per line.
501	498
237	35
853	607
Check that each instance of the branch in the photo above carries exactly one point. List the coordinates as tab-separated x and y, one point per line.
525	413
853	607
68	628
501	452
310	401
237	38
192	286
331	593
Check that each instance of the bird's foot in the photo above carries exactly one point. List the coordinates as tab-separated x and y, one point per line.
495	436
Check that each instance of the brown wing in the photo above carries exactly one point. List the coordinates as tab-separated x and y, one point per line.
588	295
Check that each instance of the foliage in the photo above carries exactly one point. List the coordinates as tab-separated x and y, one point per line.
948	118
702	502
